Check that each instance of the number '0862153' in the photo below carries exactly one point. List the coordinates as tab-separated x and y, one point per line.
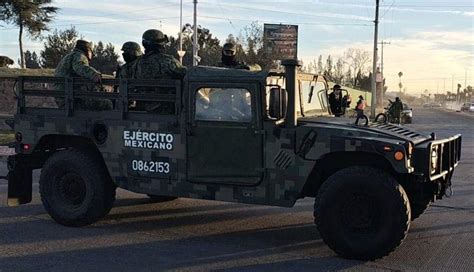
150	166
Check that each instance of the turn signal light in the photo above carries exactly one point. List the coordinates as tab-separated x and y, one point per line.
399	155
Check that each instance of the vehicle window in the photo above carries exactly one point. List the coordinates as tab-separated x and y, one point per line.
318	97
406	107
223	104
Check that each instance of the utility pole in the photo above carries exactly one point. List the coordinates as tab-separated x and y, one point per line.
452	83
195	35
373	103
381	68
465	78
180	52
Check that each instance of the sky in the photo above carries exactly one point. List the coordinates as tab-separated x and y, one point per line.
430	42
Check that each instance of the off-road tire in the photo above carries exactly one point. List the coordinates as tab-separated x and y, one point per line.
162	198
418	207
75	188
362	213
381	118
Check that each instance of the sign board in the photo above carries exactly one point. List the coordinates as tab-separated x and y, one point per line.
281	40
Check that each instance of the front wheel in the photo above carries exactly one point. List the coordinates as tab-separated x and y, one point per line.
75	188
381	118
362	213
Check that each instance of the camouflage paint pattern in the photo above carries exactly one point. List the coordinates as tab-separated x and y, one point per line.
157	65
289	154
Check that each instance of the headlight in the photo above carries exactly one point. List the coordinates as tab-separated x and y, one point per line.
434	159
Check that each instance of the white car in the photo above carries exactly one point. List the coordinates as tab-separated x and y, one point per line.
469	106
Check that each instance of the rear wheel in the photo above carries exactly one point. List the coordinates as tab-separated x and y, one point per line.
362	213
75	188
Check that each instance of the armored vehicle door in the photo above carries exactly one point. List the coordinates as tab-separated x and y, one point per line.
224	142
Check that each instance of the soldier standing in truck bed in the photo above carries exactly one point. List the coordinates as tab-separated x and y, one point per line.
76	64
154	64
131	52
229	59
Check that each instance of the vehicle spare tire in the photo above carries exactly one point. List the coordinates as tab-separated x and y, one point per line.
362	213
75	188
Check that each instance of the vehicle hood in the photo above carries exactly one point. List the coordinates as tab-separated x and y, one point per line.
373	130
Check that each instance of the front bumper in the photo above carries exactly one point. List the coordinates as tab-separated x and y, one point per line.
436	159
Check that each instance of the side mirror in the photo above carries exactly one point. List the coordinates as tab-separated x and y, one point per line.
277	103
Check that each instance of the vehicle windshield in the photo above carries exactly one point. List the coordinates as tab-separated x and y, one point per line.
406	107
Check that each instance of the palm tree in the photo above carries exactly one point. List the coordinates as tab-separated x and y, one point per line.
32	16
400	74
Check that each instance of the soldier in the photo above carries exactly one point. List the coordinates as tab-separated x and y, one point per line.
131	52
396	109
76	64
228	59
154	64
337	102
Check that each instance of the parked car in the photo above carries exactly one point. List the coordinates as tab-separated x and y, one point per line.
468	106
407	114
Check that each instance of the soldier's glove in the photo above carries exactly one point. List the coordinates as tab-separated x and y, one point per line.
97	78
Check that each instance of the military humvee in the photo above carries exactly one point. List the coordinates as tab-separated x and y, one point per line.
228	135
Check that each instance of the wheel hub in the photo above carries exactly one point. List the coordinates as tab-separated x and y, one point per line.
72	189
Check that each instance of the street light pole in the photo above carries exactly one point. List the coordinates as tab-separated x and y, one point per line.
373	103
195	36
181	32
381	69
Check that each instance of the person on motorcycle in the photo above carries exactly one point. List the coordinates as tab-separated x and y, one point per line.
396	109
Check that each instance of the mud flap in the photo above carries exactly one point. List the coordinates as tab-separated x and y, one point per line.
20	181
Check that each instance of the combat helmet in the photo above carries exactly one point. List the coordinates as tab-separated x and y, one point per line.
83	45
132	48
154	37
229	49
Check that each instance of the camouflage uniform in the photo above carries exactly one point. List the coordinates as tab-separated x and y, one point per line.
228	59
156	65
131	52
396	110
76	64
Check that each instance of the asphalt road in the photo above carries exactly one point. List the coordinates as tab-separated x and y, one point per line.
197	235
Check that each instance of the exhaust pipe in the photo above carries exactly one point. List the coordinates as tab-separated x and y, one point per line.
291	87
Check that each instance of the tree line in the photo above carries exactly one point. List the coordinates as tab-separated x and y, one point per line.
351	69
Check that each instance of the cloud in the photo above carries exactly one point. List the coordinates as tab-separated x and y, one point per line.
425	59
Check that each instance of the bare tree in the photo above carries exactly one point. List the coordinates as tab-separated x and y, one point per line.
357	59
32	16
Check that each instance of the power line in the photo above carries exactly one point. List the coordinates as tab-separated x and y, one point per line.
286	12
111	22
285	22
389	8
71	22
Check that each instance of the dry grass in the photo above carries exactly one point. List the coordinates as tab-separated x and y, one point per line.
6	137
